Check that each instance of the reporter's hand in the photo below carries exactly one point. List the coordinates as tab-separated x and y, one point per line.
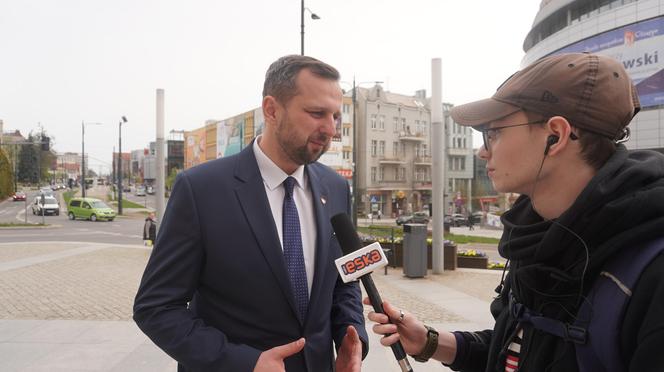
409	330
349	358
272	360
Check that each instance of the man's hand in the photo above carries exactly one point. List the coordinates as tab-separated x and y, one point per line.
349	358
272	360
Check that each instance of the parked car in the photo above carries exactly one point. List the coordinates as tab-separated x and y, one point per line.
50	206
150	190
140	191
458	220
90	209
417	217
19	196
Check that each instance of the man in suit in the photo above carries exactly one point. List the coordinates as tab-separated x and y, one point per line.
242	277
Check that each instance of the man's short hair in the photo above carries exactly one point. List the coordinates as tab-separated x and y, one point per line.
280	76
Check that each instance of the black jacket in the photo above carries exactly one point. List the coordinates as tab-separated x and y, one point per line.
150	230
621	208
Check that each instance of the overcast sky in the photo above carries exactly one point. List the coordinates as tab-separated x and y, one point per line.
64	62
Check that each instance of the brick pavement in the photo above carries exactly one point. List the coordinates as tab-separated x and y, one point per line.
67	306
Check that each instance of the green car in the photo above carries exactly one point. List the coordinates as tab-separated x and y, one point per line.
89	208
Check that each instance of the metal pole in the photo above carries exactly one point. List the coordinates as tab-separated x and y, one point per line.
83	159
302	27
159	192
120	168
354	201
438	181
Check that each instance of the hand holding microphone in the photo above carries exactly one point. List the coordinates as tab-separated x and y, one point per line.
359	262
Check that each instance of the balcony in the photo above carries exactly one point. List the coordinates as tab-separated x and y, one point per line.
412	136
422	160
391	160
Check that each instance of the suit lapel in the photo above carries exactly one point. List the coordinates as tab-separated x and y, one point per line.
256	208
320	195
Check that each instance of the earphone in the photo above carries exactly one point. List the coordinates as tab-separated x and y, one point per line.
550	140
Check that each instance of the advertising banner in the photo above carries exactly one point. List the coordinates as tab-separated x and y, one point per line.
229	136
638	47
194	147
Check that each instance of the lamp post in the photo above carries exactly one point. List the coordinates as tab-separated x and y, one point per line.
123	120
355	193
313	16
83	184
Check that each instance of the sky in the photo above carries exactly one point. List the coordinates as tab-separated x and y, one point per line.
67	62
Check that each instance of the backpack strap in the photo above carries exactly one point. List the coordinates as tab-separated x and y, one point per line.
603	311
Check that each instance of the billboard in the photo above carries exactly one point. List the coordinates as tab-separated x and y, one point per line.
229	136
638	47
194	147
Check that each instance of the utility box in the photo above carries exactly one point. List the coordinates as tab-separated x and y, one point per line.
415	250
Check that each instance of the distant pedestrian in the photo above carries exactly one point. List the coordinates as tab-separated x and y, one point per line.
150	230
470	222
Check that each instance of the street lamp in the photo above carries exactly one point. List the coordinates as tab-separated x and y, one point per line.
355	193
83	184
313	16
124	120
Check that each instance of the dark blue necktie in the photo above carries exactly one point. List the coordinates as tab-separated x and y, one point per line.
293	254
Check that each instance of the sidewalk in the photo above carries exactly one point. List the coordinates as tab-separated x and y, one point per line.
66	306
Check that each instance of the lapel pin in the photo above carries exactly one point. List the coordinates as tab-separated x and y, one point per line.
323	200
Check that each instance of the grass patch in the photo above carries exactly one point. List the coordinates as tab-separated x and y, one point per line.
67	195
21	224
386	232
128	204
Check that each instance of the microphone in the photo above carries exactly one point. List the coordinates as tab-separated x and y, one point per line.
359	262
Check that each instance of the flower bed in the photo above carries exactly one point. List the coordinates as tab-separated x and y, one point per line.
451	257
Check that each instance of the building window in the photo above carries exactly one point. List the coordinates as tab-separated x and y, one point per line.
381	122
417	150
381	174
346	155
381	149
373	121
396	124
403	149
457	163
403	124
402	174
425	129
395	149
424	150
374	145
346	108
346	132
373	174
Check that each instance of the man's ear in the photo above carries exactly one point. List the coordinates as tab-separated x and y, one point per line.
270	108
560	128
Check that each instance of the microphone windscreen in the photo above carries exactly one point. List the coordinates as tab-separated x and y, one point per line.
346	234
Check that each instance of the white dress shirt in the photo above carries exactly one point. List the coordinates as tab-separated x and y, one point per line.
273	178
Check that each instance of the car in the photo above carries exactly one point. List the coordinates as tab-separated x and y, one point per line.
19	196
49	206
90	209
47	191
459	219
417	217
140	191
150	190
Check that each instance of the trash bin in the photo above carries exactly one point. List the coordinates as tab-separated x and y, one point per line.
449	255
415	250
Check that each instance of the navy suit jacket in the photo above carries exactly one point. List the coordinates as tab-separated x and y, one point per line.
215	292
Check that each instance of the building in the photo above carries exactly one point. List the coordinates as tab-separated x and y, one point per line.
632	31
394	163
219	138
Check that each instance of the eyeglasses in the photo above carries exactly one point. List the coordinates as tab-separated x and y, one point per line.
489	134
